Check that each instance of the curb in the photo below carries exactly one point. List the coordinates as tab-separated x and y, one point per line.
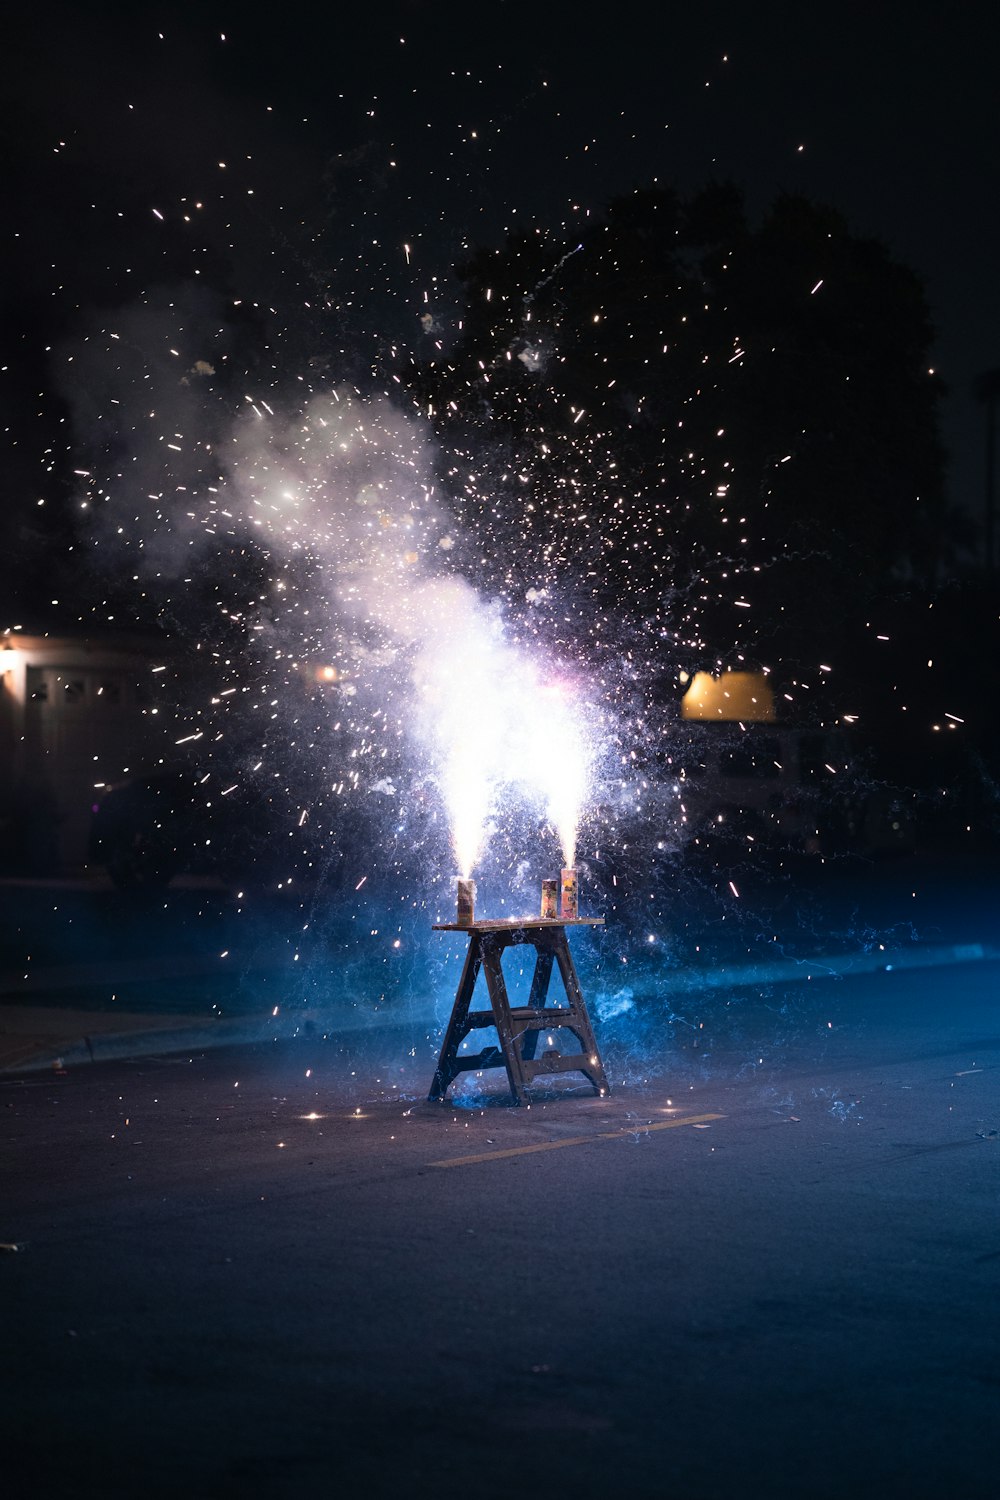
119	1046
830	966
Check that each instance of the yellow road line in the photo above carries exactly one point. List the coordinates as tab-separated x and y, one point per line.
625	1132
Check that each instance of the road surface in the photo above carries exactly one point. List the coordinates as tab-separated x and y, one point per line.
767	1265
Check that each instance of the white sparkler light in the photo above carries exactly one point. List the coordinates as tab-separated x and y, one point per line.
565	770
494	726
350	482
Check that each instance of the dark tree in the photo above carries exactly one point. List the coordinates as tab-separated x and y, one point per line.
726	432
988	392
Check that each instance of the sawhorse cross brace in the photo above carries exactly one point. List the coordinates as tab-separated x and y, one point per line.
519	1027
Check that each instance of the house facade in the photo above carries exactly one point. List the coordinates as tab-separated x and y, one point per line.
77	713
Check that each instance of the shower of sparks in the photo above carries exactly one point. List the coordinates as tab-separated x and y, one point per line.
347	487
446	558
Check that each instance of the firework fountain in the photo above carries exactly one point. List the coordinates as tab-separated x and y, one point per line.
498	565
492	725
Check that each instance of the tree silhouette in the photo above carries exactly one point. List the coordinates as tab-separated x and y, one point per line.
729	432
988	391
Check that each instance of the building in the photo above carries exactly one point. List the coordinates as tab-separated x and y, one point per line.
76	713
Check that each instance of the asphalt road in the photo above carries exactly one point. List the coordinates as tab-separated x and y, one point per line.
767	1265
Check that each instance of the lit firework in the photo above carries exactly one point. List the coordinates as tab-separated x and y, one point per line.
348	483
549	499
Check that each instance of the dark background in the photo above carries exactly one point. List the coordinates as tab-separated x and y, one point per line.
297	189
237	1272
112	112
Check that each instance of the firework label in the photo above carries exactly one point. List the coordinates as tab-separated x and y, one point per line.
550	899
569	905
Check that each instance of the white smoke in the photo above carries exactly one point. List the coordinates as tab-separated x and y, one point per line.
351	481
345	485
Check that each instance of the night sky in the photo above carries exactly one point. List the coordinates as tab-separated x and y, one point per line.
347	133
403	645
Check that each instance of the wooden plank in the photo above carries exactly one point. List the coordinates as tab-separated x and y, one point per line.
517	924
480	1018
562	1062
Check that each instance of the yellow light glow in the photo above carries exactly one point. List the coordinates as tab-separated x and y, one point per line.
744	696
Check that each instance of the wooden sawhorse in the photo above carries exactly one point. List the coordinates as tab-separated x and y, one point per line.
518	1027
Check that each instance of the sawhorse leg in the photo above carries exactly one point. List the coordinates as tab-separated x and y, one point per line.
536	1000
580	1024
512	1056
457	1028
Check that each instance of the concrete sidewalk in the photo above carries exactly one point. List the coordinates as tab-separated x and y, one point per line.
36	1036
